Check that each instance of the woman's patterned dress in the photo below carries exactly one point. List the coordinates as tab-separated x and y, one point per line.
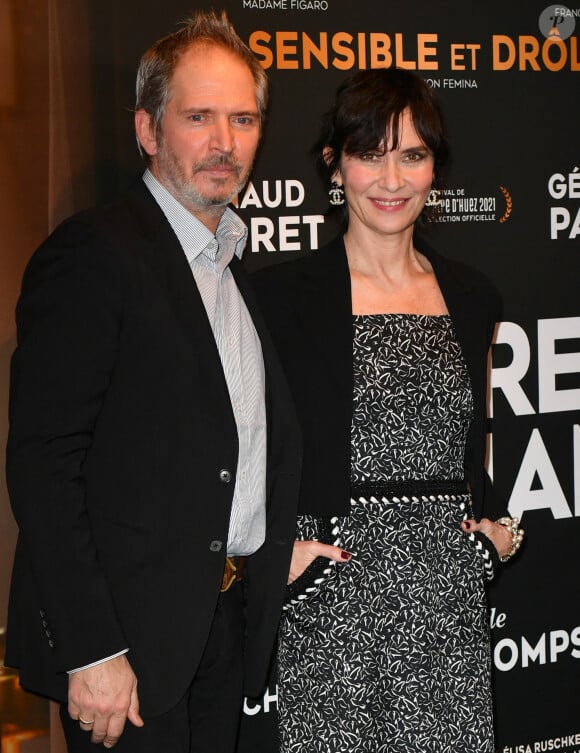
389	652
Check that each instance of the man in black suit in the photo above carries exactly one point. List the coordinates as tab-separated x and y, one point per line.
153	446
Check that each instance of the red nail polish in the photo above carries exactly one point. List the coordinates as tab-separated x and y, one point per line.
345	555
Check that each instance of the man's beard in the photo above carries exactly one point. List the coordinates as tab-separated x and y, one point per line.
182	185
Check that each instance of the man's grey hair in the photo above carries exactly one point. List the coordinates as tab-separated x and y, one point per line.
159	61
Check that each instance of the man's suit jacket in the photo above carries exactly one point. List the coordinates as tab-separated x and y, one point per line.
122	460
307	304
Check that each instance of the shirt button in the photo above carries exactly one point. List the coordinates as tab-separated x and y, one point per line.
225	476
215	546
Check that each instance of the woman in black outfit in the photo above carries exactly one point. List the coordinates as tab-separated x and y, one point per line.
384	642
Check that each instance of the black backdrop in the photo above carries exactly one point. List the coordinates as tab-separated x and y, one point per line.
511	208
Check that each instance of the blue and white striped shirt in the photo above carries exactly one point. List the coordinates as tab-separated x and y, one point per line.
240	352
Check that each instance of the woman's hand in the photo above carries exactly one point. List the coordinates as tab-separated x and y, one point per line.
305	552
499	536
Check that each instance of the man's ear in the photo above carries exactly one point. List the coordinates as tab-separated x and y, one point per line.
327	156
146	132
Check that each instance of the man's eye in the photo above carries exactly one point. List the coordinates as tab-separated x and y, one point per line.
244	120
197	117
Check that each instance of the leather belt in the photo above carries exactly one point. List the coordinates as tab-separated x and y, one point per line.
233	572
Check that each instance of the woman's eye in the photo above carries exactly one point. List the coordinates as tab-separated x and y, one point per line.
415	156
370	156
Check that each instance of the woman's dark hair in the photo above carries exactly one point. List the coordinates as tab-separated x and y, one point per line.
369	103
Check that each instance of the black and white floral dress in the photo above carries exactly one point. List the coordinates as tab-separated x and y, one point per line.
389	652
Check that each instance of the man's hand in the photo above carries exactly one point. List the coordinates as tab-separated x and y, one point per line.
305	552
103	697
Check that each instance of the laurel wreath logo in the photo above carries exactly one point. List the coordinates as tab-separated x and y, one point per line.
508	204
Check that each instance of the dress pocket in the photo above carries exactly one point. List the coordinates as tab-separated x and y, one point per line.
319	571
485	551
309	582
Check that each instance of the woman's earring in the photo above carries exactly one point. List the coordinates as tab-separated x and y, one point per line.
336	194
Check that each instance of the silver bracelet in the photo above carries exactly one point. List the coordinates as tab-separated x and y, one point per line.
512	524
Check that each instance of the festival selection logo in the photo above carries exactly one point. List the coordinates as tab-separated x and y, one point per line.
451	205
557	22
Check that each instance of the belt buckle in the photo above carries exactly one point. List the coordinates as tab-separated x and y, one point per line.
229	576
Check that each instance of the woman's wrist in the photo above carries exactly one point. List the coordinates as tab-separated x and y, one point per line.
517	535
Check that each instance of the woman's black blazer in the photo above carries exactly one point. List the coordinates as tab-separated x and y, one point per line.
307	306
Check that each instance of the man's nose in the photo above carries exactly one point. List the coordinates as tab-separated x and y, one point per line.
222	137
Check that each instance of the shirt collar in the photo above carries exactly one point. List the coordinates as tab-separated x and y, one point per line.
193	235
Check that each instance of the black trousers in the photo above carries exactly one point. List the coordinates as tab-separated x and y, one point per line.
206	720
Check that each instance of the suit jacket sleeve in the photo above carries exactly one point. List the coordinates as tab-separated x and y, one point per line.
486	501
68	323
475	307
